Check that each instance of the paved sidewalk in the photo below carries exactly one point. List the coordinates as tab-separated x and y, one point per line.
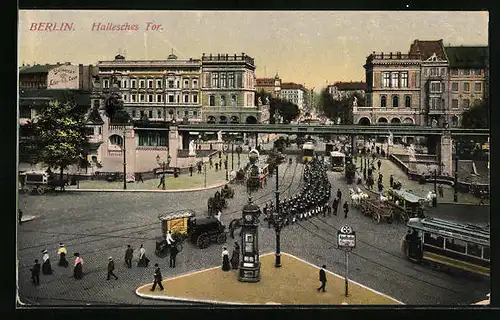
294	283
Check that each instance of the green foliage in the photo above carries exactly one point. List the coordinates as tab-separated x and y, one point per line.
113	108
334	109
59	135
289	111
476	117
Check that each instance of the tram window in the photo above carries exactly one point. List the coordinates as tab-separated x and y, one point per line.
474	250
433	240
455	245
486	253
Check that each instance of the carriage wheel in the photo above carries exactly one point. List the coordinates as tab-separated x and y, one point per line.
40	190
203	241
221	238
376	218
162	253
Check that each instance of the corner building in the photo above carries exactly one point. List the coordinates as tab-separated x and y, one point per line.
392	90
228	89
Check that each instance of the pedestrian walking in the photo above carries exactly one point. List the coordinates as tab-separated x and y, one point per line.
157	278
220	154
216	167
62	253
199	167
328	209
20	216
35	273
322	278
440	190
380	187
129	254
162	180
346	209
339	195
379	164
173	254
139	178
111	268
143	260
235	257
220	164
225	164
364	173
78	269
210	162
191	170
335	206
225	260
46	267
391	181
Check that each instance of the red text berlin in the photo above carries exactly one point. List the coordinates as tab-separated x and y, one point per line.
52	26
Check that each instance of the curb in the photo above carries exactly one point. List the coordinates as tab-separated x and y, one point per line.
214	186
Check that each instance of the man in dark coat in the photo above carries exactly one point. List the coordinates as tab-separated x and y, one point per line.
173	254
35	273
335	206
346	209
191	170
129	254
20	215
391	181
339	195
322	278
199	167
111	268
379	164
158	278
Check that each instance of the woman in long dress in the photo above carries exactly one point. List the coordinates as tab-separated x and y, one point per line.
62	252
46	267
235	258
143	260
225	260
78	270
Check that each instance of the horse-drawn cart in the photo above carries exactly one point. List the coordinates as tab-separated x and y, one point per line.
177	223
377	209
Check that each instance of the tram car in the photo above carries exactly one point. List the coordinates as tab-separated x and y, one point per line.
448	245
308	151
337	160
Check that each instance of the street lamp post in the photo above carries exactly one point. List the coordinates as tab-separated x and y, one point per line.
205	170
239	149
455	184
277	222
124	161
226	149
163	165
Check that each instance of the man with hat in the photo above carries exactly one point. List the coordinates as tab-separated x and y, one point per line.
46	267
111	268
62	252
35	273
157	277
129	254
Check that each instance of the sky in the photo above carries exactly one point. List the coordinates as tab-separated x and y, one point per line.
313	48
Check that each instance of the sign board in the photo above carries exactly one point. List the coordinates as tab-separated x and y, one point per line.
63	77
346	237
178	225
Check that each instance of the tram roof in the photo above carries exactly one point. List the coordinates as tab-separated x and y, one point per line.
407	196
308	146
177	215
337	154
466	232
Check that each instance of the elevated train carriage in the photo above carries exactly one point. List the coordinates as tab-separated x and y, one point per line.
448	245
308	151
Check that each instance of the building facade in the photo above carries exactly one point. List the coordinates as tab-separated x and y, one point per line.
294	93
57	76
343	90
271	86
228	89
433	81
468	80
392	90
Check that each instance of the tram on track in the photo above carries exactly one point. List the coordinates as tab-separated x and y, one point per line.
448	245
337	160
308	151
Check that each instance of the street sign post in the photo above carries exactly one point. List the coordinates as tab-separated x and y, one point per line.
346	241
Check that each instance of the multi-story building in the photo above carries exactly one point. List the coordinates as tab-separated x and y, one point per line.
294	93
269	85
392	89
57	76
342	90
228	89
468	79
433	81
156	89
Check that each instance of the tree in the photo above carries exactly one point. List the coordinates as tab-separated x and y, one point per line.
335	109
476	117
60	135
289	111
113	107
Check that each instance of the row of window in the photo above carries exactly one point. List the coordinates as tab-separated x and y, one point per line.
159	98
223	80
151	114
141	83
465	103
466	72
466	86
395	79
434	71
395	101
457	245
222	100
